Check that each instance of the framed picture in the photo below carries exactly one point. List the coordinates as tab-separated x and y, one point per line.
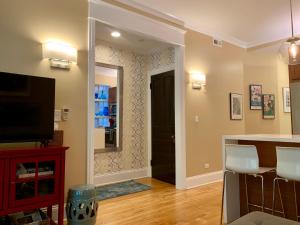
286	99
269	106
236	106
255	96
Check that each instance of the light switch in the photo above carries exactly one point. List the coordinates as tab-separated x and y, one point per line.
57	115
65	113
197	119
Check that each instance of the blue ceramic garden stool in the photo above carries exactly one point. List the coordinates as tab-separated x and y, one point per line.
82	205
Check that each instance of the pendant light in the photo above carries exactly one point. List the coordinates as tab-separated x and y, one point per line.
293	48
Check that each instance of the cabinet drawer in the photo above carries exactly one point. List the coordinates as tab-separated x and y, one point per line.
34	180
1	183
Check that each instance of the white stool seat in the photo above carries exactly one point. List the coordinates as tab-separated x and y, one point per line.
287	169
243	159
263	170
288	163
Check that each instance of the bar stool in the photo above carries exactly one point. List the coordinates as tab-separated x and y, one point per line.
243	159
288	169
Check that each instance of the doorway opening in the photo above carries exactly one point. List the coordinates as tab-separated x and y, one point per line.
169	47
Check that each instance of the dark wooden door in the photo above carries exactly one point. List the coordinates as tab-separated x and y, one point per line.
163	127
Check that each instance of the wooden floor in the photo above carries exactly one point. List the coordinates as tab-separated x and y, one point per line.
163	205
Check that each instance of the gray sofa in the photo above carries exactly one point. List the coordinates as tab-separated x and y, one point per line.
260	218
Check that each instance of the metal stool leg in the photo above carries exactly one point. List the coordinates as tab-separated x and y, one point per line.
262	206
276	180
246	190
262	193
273	198
280	198
296	202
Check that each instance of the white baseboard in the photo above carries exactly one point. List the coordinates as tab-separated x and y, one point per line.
120	176
203	179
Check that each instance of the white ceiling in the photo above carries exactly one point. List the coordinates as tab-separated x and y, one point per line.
136	42
246	23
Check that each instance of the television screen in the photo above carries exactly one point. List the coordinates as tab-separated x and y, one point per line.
26	108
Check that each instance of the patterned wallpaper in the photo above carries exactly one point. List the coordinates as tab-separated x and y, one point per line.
160	59
134	153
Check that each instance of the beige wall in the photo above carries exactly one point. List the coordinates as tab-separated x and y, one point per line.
228	69
24	25
260	68
263	66
285	122
224	69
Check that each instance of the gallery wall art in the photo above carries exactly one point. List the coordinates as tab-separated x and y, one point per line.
268	106
255	96
236	106
286	99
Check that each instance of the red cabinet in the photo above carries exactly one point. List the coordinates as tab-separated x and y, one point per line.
31	179
42	183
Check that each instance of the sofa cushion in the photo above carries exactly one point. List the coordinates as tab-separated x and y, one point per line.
260	218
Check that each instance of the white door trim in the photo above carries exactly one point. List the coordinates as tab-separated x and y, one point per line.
91	101
132	22
180	132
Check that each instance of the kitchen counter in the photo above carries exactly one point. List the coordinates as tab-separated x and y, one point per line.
265	137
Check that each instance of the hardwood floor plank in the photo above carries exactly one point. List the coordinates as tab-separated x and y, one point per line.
163	205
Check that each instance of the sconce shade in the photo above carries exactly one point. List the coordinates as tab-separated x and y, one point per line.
60	55
198	79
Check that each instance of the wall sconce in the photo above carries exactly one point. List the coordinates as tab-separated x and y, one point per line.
198	79
59	55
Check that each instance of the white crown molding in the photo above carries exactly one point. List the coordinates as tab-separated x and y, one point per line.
152	11
227	38
267	41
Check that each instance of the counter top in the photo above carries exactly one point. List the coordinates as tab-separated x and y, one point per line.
265	137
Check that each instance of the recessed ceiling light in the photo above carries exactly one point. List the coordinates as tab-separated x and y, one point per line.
115	34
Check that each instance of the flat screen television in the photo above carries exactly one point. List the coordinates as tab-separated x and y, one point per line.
26	108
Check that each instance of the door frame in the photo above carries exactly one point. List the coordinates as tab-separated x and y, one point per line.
115	16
